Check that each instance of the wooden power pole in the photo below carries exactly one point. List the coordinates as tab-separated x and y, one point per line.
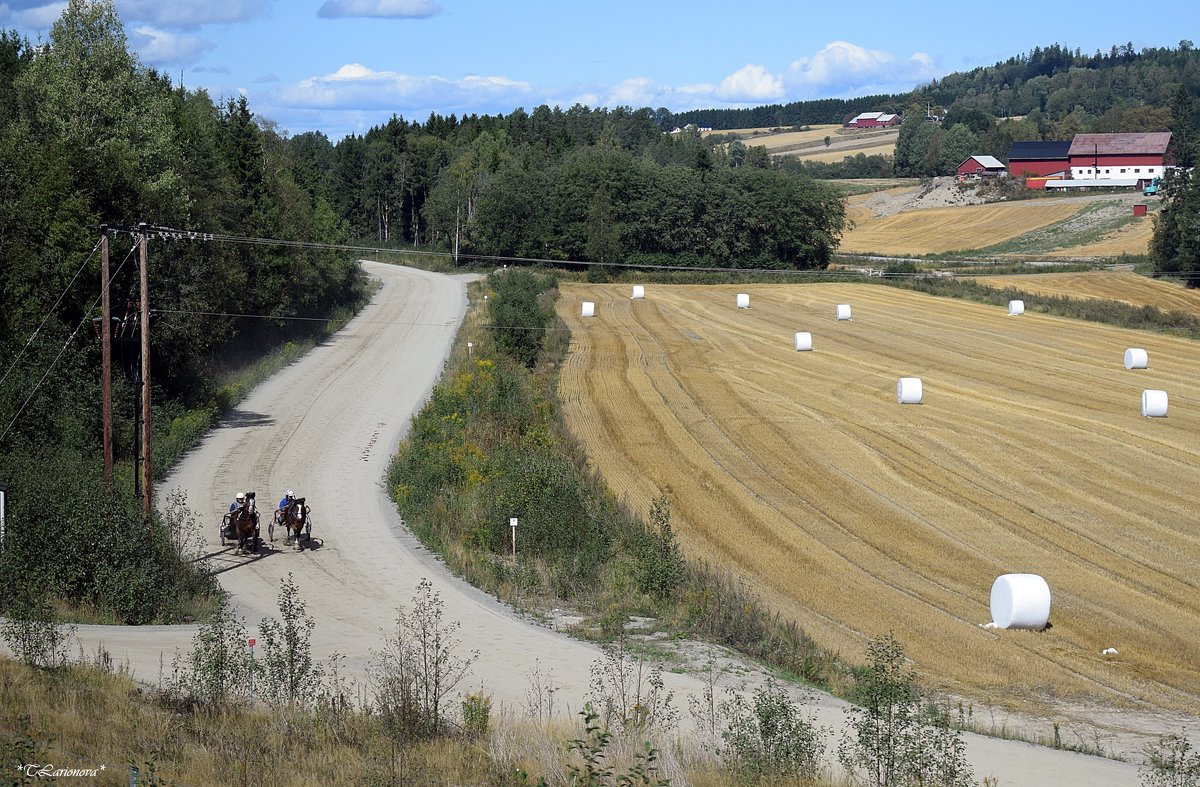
147	476
106	359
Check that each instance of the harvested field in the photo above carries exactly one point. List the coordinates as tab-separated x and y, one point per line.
867	147
937	230
1107	285
1133	238
856	516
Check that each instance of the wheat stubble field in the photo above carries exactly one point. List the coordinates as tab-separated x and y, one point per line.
1121	286
857	516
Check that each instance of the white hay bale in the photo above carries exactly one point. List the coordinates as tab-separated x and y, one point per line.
908	390
743	300
639	291
1154	404
1020	601
589	309
1109	652
843	311
1016	307
1136	358
803	341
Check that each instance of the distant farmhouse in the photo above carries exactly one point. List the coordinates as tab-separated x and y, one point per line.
977	167
874	120
1091	161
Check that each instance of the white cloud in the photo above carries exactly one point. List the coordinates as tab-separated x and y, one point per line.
751	83
841	68
36	16
159	47
354	86
390	9
191	14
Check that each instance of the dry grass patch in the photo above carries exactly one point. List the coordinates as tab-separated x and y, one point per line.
1120	286
836	153
856	516
937	230
1133	238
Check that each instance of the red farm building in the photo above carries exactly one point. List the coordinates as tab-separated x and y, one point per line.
1136	157
1037	162
980	167
874	120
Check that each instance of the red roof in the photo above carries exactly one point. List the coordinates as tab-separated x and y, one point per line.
1153	143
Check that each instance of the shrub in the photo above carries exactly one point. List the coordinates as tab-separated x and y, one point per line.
768	736
1170	762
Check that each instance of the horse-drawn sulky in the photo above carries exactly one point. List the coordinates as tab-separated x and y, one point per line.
297	524
241	525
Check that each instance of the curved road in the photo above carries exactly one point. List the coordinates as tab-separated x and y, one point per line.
326	426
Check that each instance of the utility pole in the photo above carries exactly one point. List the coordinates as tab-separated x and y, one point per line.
147	495
106	358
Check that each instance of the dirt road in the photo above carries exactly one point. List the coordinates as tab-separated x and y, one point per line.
325	427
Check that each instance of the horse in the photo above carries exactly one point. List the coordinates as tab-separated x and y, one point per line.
294	518
245	526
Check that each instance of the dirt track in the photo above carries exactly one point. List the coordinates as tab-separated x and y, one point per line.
325	426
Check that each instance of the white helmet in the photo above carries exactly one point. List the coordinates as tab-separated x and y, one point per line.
240	496
289	493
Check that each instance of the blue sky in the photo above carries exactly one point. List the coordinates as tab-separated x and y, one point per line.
342	66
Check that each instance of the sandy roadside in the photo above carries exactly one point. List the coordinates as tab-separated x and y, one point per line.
325	427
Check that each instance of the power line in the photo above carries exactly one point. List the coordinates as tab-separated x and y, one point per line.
49	314
66	344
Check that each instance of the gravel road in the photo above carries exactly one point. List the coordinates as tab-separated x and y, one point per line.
325	427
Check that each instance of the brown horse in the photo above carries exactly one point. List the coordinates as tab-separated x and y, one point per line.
245	526
294	518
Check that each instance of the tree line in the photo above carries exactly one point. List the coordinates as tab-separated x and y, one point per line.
88	137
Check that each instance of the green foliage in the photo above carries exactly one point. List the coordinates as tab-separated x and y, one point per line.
217	670
891	742
477	714
417	668
32	633
1175	245
18	750
519	321
1170	762
289	677
768	736
629	691
660	564
593	749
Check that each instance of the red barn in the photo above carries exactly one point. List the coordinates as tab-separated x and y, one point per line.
1035	162
1119	156
873	120
980	167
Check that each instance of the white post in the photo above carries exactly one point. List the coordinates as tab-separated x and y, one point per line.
250	642
512	522
3	505
469	346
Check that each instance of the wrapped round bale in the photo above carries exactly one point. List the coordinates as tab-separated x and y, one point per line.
843	311
743	300
1136	358
639	291
803	341
589	309
1020	601
1016	307
1154	404
908	390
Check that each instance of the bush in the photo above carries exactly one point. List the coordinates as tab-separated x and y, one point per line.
768	736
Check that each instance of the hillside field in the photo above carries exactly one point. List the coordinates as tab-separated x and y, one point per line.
857	516
1106	285
936	219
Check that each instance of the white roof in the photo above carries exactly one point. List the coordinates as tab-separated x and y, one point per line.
867	116
991	162
886	118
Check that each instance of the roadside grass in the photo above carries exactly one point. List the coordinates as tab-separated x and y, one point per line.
52	717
